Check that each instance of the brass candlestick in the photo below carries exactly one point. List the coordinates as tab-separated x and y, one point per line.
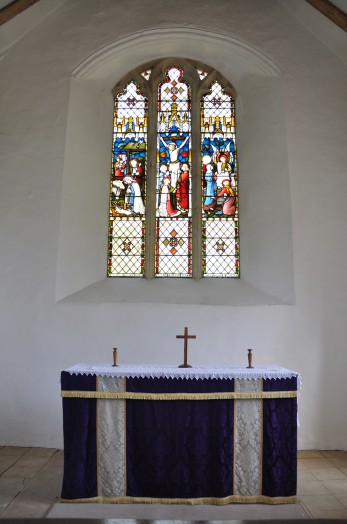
249	359
115	357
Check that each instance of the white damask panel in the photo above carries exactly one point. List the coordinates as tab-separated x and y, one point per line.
247	440
111	440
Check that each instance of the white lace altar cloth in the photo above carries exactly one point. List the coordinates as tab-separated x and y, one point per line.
156	371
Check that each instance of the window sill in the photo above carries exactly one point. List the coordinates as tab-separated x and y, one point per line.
207	291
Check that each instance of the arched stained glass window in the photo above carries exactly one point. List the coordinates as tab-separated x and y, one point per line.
128	186
174	214
219	207
174	193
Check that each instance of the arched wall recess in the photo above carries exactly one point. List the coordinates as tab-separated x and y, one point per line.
265	210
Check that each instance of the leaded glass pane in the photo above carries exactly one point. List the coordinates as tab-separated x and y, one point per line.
173	248
219	184
128	184
146	73
173	211
202	74
126	247
220	248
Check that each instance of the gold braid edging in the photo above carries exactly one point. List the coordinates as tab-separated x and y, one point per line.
192	502
179	396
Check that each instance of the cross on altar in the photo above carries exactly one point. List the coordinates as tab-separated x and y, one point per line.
185	336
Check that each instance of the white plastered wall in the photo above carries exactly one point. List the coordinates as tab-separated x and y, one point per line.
56	306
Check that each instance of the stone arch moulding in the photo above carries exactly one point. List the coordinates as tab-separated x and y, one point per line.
266	254
185	42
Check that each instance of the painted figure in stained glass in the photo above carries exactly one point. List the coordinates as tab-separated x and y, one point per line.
119	172
223	161
173	139
129	153
173	149
210	178
228	199
167	206
182	188
133	195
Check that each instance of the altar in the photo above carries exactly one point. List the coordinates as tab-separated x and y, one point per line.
161	434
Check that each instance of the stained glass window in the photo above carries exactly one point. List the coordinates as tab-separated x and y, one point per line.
173	215
128	184
174	181
219	179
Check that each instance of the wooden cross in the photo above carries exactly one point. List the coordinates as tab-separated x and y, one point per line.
185	336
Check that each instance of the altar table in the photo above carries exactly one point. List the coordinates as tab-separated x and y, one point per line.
179	435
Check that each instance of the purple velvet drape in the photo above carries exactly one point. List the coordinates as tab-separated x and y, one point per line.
280	440
79	425
179	448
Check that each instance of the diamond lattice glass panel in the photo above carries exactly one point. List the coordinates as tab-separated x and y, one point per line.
126	249
219	184
173	247
173	189
220	247
128	183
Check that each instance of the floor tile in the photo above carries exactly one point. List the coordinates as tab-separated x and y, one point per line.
26	509
309	454
304	473
329	514
13	450
317	462
23	472
328	474
321	502
336	453
342	498
311	487
56	460
9	489
40	452
336	486
6	462
50	473
42	489
339	462
32	460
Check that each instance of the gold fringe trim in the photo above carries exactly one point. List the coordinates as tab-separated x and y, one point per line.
232	499
179	396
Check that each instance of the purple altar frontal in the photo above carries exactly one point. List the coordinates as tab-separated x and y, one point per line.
160	434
